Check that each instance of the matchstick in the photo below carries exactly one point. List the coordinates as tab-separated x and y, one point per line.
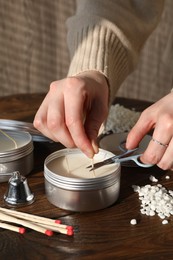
30	217
8	218
68	231
35	219
20	230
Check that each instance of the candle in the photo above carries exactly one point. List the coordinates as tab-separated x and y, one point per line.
70	185
75	166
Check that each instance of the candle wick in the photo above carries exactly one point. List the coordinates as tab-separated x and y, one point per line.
92	163
9	137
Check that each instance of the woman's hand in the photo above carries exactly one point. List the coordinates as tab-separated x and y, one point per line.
73	111
159	117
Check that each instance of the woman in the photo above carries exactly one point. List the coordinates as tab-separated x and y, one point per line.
105	39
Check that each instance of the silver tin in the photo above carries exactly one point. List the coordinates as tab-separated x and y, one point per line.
80	194
15	158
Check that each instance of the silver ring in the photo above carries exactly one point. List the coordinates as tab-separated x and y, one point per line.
156	141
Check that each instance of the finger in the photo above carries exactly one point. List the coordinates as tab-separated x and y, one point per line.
56	125
161	138
166	161
153	153
163	130
50	120
141	128
74	118
93	122
40	120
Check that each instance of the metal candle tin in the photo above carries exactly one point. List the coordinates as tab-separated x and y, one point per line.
16	154
89	192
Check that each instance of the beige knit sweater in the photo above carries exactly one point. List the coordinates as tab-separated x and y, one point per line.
107	36
102	35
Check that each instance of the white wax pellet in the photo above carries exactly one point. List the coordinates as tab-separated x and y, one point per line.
168	205
121	119
162	216
147	213
152	213
162	201
135	188
133	221
148	186
167	215
143	211
143	202
156	199
165	221
153	179
166	197
152	207
153	202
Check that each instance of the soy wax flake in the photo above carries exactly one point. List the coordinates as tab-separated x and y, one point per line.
155	200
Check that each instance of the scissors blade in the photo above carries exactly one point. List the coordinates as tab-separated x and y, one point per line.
100	164
112	159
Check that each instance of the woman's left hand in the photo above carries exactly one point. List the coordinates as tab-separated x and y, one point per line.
159	117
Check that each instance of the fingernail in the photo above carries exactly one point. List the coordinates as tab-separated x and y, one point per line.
89	153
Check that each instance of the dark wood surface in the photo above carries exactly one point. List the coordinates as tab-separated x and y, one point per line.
105	234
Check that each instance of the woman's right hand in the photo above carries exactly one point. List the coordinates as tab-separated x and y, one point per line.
73	111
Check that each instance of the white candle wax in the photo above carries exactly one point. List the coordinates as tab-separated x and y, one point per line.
75	166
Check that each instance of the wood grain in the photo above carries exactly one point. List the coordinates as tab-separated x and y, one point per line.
105	234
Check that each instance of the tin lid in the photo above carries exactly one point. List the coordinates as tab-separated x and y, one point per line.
14	145
19	126
73	180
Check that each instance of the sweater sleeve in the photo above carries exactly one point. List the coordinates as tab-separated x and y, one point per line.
107	36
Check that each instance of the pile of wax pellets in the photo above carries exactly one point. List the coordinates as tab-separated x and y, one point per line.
155	200
121	119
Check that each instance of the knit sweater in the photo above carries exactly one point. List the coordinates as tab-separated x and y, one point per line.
108	36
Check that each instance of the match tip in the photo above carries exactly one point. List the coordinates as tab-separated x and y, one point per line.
70	232
22	230
49	233
69	228
57	221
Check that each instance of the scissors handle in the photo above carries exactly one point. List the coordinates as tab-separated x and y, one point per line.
134	158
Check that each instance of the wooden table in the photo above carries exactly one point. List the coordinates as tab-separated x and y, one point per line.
105	234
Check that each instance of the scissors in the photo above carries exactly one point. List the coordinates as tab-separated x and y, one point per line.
124	157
